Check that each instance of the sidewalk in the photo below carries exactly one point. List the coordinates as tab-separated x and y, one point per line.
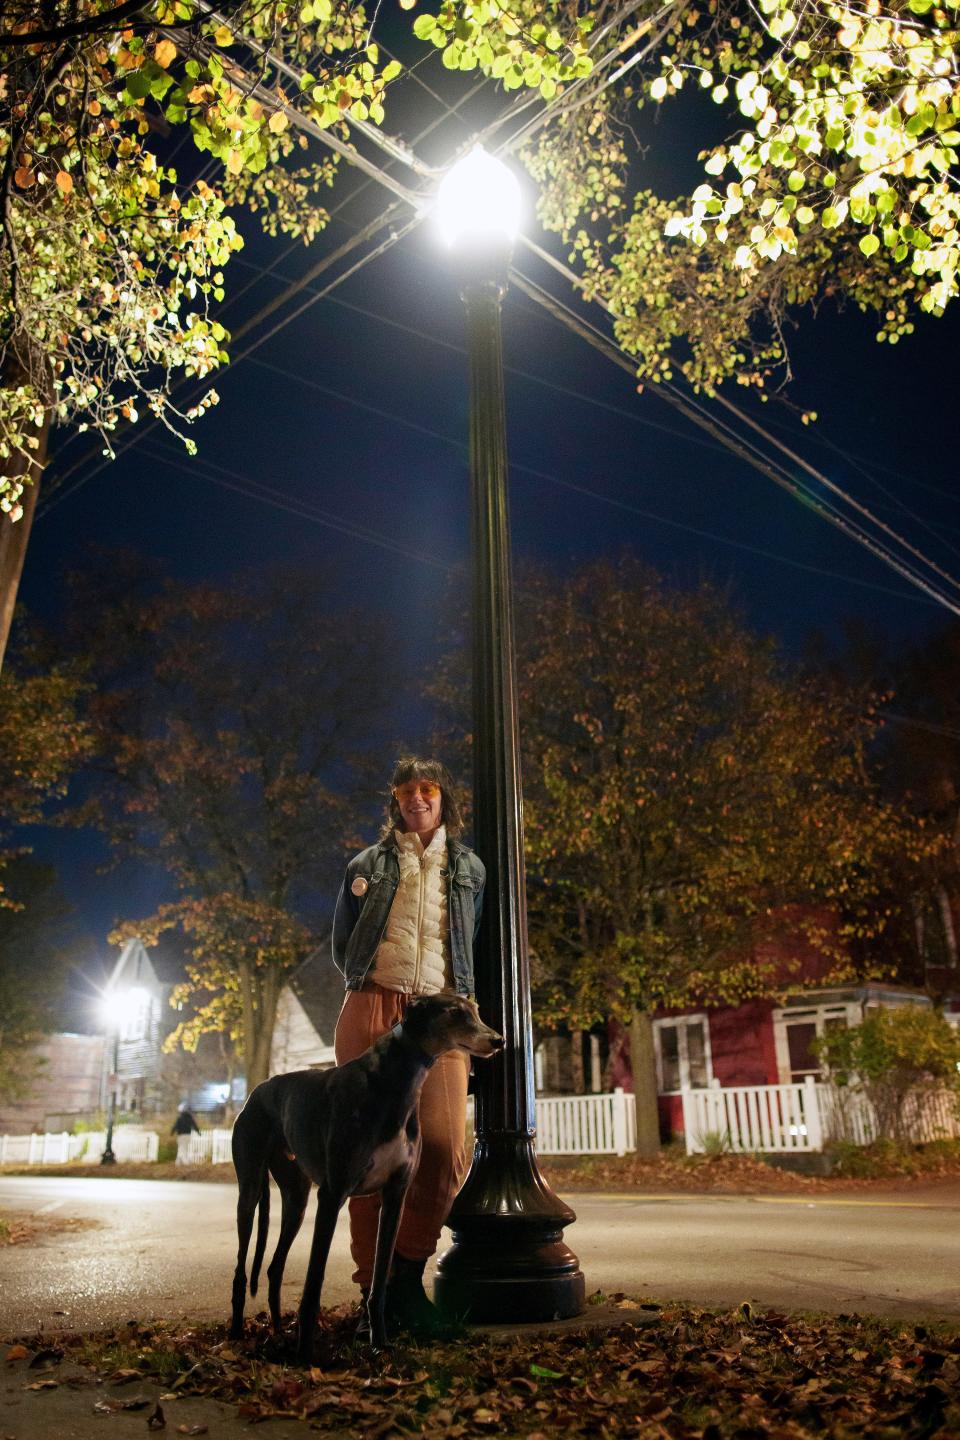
46	1398
66	1402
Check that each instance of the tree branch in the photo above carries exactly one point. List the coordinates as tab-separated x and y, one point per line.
92	24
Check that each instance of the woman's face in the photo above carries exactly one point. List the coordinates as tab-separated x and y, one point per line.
420	803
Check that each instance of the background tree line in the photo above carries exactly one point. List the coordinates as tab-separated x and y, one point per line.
690	795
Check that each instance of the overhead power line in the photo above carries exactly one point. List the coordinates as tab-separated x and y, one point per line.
460	444
687	406
695	412
95	454
134	435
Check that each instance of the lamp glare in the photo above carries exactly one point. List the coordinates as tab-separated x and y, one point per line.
478	201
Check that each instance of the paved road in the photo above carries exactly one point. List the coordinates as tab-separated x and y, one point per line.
163	1249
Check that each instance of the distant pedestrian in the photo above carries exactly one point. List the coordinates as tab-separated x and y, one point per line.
183	1127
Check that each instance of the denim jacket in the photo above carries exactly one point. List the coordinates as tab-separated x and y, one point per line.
359	920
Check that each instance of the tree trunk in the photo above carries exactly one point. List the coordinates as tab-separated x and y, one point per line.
14	534
258	1061
258	1041
228	1055
644	1070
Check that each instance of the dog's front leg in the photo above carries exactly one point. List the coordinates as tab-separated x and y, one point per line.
391	1207
328	1208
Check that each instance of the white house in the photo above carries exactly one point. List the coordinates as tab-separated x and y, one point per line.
307	1016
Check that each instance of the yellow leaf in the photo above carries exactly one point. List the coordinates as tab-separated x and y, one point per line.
223	35
234	162
164	52
64	182
407	4
277	122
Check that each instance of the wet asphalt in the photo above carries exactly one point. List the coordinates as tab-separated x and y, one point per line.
166	1249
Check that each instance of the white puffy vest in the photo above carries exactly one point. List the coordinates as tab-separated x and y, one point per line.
414	955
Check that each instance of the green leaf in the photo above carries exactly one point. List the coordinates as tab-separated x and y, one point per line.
138	84
830	218
424	26
391	71
543	1373
869	245
795	181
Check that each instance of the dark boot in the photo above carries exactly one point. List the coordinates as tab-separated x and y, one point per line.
362	1332
409	1309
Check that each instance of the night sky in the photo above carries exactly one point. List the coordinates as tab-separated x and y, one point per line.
355	415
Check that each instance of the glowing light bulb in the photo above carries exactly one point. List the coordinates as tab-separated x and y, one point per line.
478	201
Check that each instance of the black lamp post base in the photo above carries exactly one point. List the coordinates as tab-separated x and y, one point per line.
508	1262
108	1158
491	1288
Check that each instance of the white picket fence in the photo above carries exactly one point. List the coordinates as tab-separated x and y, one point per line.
586	1124
129	1144
209	1146
746	1119
779	1119
848	1115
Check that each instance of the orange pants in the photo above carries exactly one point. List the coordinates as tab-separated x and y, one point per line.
366	1015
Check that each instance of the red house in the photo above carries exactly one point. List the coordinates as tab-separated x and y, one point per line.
757	1043
760	1042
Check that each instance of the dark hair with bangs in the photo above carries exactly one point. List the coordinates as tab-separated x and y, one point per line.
415	767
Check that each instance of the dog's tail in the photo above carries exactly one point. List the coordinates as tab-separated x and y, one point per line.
263	1225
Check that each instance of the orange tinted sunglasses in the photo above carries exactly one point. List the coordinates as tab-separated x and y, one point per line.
429	789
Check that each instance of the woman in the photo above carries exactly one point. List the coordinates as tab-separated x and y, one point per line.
405	924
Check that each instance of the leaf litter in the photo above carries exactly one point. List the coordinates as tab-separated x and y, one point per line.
692	1374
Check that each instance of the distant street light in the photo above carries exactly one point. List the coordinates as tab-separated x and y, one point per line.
508	1260
118	1008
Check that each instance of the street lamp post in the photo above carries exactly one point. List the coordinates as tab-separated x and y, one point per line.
108	1157
118	1007
508	1260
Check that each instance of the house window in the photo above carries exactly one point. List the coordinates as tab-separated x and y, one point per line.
794	1032
683	1053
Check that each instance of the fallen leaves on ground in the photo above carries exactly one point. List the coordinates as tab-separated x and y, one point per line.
27	1230
731	1174
689	1375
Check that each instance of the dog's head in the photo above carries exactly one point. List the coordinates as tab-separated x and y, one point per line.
437	1023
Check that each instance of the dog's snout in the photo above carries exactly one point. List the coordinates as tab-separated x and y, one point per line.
492	1041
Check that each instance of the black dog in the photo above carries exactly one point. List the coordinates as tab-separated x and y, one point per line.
351	1131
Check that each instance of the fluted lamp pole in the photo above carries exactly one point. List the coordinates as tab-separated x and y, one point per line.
508	1261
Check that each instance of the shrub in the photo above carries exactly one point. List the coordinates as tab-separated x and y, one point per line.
898	1058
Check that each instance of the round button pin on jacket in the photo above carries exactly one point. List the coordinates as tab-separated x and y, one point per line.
360	886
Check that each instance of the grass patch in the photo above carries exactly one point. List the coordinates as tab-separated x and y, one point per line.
692	1375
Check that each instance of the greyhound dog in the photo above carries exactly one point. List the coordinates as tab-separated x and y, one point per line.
352	1130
